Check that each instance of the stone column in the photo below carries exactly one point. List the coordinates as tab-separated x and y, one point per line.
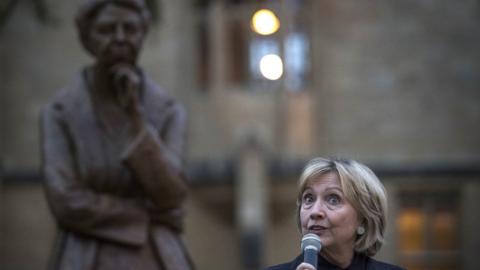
251	198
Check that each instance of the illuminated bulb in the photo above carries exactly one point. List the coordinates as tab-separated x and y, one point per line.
271	67
264	22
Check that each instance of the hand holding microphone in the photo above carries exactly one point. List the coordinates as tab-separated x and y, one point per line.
310	246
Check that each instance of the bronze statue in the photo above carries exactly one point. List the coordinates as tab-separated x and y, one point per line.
112	153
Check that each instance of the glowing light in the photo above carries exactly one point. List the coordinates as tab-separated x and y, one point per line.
265	22
271	67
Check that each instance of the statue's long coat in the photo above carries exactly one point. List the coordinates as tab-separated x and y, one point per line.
100	189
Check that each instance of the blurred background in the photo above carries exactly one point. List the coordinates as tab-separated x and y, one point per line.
393	84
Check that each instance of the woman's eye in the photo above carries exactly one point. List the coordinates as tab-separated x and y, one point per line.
130	28
105	29
333	199
308	199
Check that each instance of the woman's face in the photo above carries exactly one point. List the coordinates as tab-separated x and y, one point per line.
116	35
326	212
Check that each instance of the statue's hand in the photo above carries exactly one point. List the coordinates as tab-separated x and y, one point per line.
172	217
127	82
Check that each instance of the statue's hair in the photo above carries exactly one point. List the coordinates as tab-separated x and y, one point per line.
362	189
89	9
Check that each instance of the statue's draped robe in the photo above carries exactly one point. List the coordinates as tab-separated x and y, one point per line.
101	186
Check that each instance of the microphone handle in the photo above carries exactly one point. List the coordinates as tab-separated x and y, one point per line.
310	255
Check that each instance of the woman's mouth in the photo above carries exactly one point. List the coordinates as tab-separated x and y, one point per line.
316	229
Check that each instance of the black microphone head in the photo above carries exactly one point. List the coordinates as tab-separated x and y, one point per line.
311	240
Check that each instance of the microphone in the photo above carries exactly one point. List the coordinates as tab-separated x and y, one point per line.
311	246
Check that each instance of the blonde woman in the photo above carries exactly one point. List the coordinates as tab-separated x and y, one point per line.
344	203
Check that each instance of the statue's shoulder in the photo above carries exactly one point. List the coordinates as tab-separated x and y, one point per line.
154	90
156	95
71	96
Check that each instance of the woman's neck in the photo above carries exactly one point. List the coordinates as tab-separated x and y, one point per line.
341	258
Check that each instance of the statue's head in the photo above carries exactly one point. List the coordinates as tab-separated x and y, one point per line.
113	30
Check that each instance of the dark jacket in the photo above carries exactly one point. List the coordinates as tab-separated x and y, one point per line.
360	262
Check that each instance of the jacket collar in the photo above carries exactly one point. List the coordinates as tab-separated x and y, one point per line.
359	262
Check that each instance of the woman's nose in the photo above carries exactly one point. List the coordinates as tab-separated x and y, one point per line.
119	33
317	210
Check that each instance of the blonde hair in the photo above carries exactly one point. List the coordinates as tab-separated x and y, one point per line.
362	189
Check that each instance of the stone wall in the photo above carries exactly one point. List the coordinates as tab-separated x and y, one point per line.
398	80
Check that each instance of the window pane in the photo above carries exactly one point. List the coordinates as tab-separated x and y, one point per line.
237	51
429	265
411	224
259	47
444	225
296	60
445	266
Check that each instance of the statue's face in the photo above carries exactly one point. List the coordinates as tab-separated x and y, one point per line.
116	35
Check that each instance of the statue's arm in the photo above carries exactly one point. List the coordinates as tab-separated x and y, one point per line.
156	160
76	207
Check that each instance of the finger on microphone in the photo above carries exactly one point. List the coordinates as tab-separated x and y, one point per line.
305	266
